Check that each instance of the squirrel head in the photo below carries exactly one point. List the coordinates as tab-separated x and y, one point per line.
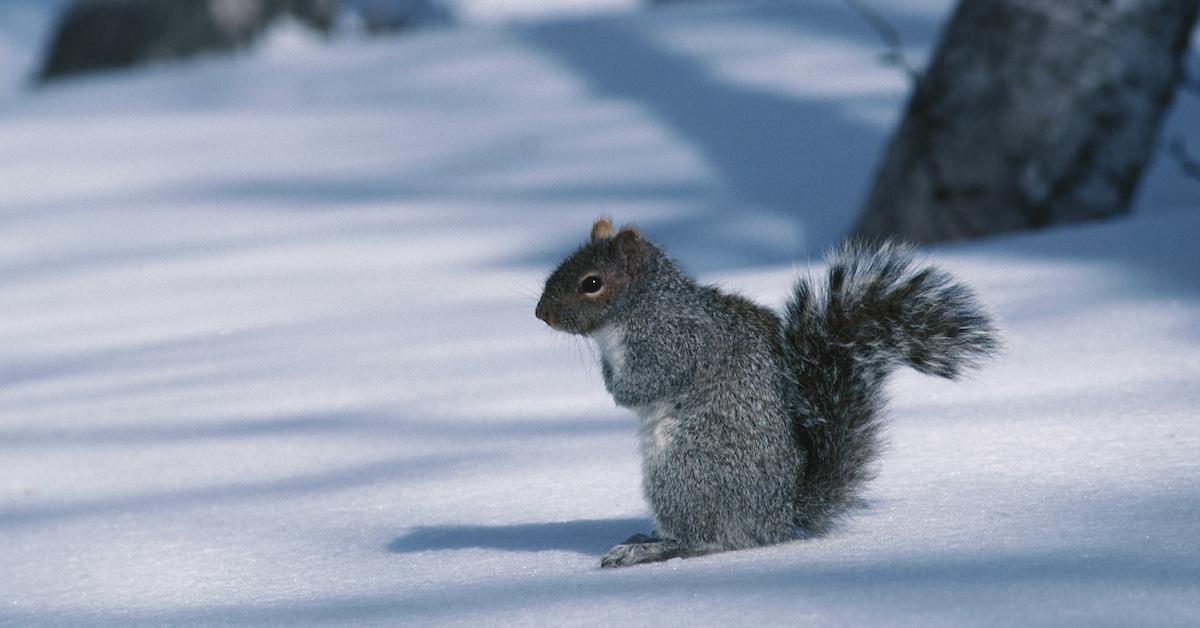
582	292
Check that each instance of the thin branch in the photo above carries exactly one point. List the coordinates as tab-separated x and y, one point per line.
1190	83
1177	149
894	55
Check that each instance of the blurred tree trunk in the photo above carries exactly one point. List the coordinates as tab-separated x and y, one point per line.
102	34
1032	113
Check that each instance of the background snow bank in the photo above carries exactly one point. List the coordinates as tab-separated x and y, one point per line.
269	352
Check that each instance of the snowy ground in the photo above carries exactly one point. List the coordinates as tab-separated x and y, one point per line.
269	353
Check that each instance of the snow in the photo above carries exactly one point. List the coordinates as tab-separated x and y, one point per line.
270	354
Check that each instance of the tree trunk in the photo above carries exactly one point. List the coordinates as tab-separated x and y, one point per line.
103	34
1032	113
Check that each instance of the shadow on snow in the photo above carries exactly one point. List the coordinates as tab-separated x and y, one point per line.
588	536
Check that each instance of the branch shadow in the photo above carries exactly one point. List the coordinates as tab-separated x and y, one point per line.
585	536
918	29
251	491
761	144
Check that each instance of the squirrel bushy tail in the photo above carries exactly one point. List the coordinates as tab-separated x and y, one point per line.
877	310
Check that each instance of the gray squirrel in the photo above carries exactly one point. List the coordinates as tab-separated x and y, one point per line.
756	429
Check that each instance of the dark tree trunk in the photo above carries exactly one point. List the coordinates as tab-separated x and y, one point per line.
105	34
1032	113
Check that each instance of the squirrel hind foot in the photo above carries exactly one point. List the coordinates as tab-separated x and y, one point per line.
639	549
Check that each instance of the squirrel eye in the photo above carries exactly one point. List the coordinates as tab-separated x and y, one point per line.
591	284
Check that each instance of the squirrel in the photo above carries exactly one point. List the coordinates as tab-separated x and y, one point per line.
755	428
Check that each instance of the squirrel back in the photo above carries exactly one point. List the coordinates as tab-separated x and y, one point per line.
756	428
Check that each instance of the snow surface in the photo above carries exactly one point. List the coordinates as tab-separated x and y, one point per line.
270	354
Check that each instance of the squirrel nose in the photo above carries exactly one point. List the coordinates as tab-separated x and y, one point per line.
543	313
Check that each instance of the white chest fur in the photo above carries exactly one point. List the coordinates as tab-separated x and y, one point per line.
611	340
657	423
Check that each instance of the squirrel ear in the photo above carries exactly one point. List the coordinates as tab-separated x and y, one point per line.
628	243
602	228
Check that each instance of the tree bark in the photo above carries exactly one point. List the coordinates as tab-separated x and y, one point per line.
104	34
1032	113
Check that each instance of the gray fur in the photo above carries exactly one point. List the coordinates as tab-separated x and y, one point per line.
756	430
